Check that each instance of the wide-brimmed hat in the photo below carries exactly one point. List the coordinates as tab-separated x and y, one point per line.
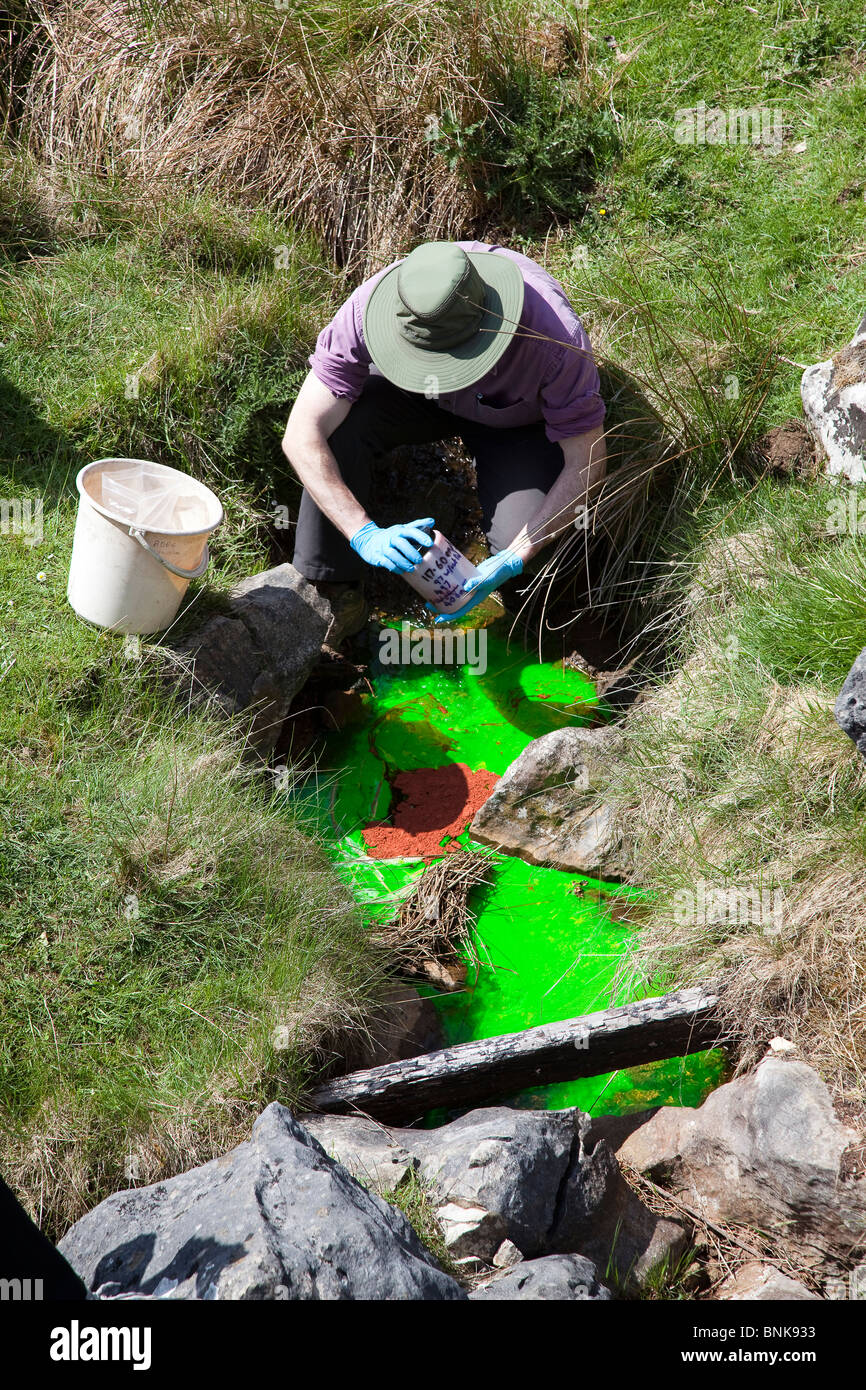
443	317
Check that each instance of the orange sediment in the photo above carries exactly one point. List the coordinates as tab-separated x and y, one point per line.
437	803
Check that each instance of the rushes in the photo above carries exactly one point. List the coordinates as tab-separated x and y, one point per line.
685	374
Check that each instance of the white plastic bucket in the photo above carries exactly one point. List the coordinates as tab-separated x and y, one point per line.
140	536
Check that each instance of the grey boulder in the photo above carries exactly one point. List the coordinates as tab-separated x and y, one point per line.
764	1151
546	807
258	655
551	1277
850	708
529	1177
275	1218
371	1153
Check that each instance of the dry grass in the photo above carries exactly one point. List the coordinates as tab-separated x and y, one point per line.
673	429
740	796
324	113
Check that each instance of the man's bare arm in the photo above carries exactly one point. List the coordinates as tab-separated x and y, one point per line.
315	415
583	471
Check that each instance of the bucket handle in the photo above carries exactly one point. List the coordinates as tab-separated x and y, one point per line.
181	574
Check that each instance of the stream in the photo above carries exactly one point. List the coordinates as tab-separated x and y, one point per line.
548	946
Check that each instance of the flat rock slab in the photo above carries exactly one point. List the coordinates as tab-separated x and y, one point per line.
763	1151
760	1283
372	1154
275	1218
561	1277
546	807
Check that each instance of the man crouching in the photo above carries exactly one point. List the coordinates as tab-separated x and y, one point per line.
457	340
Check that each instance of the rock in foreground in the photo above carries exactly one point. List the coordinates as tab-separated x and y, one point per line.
274	1218
558	1277
764	1151
529	1177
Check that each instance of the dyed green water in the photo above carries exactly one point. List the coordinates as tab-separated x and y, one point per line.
547	953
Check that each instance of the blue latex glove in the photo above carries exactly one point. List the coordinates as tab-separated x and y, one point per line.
492	573
391	547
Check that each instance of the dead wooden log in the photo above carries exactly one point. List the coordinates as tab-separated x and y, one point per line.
669	1025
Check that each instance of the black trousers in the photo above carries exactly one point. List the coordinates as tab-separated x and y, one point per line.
516	469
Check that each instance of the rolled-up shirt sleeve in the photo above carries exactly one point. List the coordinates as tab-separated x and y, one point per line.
571	400
340	359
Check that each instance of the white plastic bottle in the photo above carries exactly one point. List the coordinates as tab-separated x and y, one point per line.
440	575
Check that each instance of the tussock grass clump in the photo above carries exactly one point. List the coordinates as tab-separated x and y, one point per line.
371	122
744	799
417	1201
685	374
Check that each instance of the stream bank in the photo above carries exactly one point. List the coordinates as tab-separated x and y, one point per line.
546	943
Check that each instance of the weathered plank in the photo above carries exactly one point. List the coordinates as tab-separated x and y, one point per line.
668	1025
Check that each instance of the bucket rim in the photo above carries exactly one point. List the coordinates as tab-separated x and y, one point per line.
148	530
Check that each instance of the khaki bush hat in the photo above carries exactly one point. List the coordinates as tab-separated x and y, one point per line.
439	320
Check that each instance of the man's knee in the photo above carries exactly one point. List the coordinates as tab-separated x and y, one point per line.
509	517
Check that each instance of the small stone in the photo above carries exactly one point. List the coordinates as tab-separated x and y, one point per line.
760	1282
471	1264
470	1230
507	1255
275	1218
553	1277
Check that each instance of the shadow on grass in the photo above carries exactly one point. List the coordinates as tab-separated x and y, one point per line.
33	454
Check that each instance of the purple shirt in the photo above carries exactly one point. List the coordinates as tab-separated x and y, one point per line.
554	380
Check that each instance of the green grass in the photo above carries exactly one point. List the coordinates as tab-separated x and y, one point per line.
736	779
416	1199
174	948
178	331
776	226
160	922
161	915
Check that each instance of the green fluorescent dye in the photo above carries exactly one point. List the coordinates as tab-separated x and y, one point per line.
546	952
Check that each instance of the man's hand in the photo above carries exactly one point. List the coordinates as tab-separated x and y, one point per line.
391	547
491	573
